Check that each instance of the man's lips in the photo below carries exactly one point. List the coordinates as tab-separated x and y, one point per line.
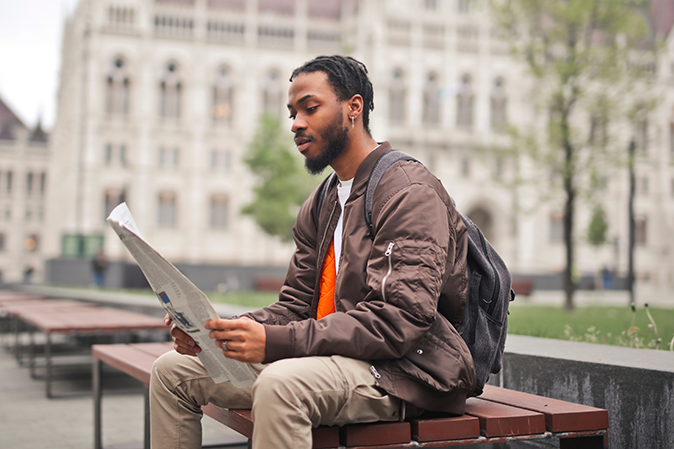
302	143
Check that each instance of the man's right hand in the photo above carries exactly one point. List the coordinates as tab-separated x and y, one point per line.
182	343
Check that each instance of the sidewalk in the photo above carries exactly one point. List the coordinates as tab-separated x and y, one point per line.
28	420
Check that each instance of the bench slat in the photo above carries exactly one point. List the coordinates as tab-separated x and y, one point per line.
371	434
499	420
137	364
441	429
241	421
560	416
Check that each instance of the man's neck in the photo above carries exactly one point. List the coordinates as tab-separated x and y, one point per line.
356	151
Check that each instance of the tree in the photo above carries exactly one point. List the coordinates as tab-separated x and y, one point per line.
282	183
586	58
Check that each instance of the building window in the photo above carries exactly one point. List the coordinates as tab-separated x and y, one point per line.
641	132
117	89
170	92
219	212
556	228
168	158
465	167
642	185
43	183
431	4
220	160
29	183
464	6
2	242
112	198
499	102
271	95
464	103
166	209
640	231
223	97
431	112
8	181
397	93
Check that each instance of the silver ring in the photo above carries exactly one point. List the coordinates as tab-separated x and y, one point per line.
224	345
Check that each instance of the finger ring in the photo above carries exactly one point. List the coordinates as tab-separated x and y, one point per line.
224	345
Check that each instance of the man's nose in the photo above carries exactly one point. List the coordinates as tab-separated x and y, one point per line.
298	124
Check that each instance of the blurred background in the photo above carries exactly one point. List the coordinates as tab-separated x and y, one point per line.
563	155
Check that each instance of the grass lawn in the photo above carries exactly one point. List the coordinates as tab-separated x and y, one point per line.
594	324
252	299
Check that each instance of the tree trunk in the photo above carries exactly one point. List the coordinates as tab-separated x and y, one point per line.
630	214
569	287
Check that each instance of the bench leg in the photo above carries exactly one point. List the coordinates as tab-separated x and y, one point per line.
593	442
48	360
146	398
97	394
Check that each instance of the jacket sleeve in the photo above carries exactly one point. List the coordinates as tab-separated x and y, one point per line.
296	294
403	285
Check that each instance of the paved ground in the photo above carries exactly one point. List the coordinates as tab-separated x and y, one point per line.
28	420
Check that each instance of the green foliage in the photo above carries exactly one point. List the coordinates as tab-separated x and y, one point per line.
282	183
618	326
596	232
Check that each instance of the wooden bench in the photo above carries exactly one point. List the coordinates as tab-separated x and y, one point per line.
498	415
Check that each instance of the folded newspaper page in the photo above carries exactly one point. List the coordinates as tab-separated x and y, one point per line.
188	306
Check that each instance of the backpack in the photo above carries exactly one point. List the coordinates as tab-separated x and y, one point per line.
485	320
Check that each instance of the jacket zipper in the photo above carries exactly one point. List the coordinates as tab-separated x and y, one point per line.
388	253
332	213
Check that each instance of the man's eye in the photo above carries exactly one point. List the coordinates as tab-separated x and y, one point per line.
312	109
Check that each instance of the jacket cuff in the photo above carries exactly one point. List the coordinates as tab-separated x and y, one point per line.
279	343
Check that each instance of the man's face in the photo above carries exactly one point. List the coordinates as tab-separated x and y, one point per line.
321	134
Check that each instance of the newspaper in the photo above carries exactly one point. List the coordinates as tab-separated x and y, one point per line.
188	307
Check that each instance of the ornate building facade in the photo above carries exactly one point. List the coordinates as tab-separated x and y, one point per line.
158	100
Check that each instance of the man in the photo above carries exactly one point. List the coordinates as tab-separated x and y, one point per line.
356	335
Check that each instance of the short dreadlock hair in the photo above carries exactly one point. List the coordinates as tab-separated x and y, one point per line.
346	76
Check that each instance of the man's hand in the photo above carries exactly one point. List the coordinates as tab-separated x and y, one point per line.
241	339
182	343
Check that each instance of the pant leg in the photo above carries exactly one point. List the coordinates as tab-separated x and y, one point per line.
291	396
179	386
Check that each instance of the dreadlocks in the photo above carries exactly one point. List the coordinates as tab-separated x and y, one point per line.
346	76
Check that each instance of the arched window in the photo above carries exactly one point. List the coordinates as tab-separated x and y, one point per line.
483	219
499	103
111	198
117	88
464	103
170	92
431	113
166	209
271	94
219	211
223	96
396	100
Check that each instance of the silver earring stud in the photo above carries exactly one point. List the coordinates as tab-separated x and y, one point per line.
353	122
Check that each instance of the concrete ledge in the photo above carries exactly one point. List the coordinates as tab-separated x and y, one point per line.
636	386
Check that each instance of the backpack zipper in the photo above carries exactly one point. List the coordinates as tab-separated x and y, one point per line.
497	285
332	212
388	252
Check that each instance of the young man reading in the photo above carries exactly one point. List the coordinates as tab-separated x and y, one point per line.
365	326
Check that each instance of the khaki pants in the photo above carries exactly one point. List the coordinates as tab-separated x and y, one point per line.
288	398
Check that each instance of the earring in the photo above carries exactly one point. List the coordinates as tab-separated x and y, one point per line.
353	122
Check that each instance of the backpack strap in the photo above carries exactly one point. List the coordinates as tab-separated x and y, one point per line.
382	164
330	181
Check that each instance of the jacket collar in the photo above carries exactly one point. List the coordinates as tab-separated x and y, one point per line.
365	168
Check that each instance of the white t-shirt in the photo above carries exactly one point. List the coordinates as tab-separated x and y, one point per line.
343	192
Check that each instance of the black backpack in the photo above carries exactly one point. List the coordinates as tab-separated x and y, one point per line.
485	320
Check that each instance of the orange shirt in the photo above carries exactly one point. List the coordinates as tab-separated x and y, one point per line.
326	301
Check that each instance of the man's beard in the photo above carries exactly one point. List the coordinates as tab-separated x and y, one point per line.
336	137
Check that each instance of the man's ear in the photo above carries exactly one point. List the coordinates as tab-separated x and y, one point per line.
355	106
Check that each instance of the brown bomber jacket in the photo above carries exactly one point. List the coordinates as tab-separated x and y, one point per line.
416	352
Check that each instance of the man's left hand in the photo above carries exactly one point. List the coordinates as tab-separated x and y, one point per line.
241	339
